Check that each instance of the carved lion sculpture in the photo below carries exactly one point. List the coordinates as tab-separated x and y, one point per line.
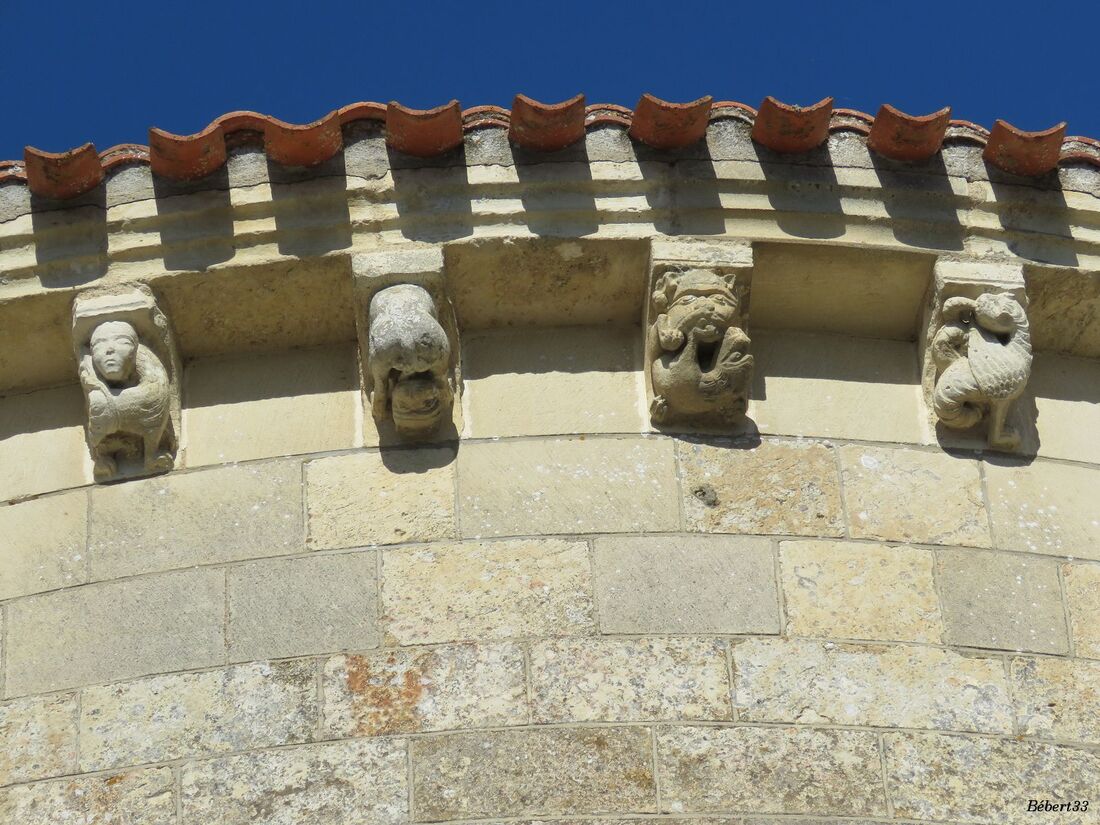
983	359
699	365
128	398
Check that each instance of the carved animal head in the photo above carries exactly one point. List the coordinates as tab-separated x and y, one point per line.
697	301
419	403
114	346
997	312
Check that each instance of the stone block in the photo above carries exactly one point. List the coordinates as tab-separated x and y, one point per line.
381	497
117	630
842	590
344	782
575	485
440	688
774	487
1058	698
298	607
185	715
486	590
42	544
42	445
146	796
1082	583
37	738
1067	404
913	496
1002	601
769	770
685	584
532	772
186	519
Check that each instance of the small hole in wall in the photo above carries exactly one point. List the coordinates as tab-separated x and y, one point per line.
706	494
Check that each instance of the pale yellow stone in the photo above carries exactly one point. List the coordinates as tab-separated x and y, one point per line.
381	497
850	590
139	797
42	445
486	590
775	487
1045	507
1058	698
913	496
1083	600
1067	404
42	544
37	738
575	485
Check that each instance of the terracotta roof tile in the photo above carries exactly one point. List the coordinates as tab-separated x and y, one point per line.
665	125
899	136
424	132
784	128
1024	153
546	127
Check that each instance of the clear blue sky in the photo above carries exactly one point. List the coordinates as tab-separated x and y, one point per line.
106	71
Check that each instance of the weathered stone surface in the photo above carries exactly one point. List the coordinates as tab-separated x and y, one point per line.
970	779
37	738
769	770
205	517
42	544
533	772
576	485
685	584
912	496
42	445
1001	600
486	590
146	797
1067	415
298	607
845	590
440	688
1083	600
196	714
624	680
357	781
1058	698
1045	508
776	487
116	630
381	497
901	686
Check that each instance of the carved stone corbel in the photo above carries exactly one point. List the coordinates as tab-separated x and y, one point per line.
129	369
977	349
698	366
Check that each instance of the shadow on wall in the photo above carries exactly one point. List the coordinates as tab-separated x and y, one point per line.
925	214
311	207
196	221
1036	220
415	459
547	209
70	238
806	196
432	195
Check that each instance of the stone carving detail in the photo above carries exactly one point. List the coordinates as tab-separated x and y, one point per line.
129	370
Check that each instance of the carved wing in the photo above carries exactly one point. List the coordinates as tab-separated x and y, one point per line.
1000	371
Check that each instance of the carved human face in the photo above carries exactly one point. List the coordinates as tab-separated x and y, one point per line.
114	350
707	309
419	403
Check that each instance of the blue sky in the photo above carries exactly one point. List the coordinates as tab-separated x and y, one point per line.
106	71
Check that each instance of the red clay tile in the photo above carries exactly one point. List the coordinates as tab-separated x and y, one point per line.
485	117
665	125
1024	153
607	114
361	111
787	129
424	132
63	174
546	127
897	135
186	157
307	145
850	120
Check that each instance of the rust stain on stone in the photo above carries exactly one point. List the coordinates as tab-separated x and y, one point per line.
384	700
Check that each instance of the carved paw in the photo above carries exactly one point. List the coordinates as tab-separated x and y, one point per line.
658	409
1006	439
105	468
162	462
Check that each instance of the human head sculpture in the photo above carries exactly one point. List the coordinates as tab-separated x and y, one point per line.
696	302
419	402
114	346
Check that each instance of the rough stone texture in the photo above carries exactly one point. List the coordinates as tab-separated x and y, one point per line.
381	497
1045	508
184	519
1001	600
42	445
1082	583
486	590
441	688
1068	415
144	797
298	607
901	686
533	772
776	487
118	630
623	680
605	485
1058	698
769	770
37	738
685	584
906	495
42	544
843	590
970	779
357	781
197	714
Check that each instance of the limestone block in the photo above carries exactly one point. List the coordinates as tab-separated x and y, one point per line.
37	738
532	772
486	590
299	607
1045	507
774	487
355	781
42	544
1067	406
575	485
117	630
205	517
841	590
913	496
970	779
141	796
1058	698
440	688
769	770
381	497
1001	601
184	715
685	584
1082	582
42	445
